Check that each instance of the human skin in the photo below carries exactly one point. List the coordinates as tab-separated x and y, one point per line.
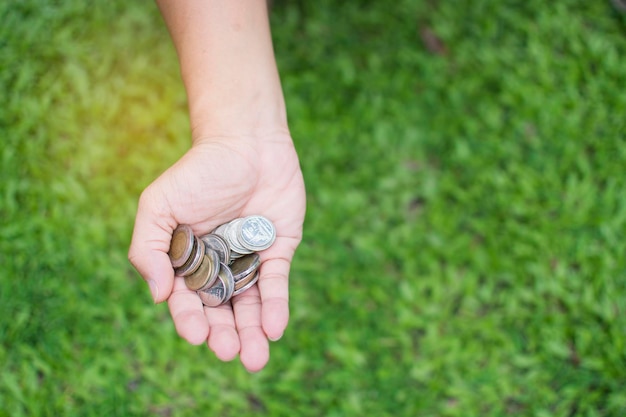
242	161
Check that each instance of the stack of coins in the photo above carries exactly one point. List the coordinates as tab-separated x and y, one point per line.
223	263
246	235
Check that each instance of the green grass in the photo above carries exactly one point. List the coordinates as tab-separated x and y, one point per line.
464	244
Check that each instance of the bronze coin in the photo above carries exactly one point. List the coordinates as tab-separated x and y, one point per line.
206	273
245	282
181	245
245	266
194	261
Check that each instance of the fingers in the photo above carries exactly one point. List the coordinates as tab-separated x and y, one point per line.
236	329
274	290
149	247
223	338
187	312
254	346
244	325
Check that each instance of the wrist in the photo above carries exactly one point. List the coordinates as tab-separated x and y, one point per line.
249	110
227	65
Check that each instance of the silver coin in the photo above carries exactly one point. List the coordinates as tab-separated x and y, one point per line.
234	256
194	261
232	238
256	233
220	230
229	281
214	295
246	285
219	245
245	266
221	291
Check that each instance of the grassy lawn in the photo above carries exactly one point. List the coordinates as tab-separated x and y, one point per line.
464	250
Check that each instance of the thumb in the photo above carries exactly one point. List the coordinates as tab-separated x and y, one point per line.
149	247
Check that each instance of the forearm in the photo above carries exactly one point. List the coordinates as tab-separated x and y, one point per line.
227	64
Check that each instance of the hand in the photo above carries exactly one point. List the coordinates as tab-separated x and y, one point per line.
217	180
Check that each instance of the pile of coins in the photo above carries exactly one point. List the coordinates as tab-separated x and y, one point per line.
223	263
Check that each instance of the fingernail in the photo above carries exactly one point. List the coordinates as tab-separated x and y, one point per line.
275	339
154	289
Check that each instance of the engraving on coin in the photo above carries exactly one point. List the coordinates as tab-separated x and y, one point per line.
181	245
221	291
256	233
213	296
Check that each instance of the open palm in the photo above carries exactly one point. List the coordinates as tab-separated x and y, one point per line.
217	180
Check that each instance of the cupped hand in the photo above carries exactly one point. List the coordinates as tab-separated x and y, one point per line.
217	180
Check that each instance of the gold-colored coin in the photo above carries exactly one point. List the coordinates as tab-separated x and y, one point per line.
181	245
246	283
194	261
245	266
207	272
243	281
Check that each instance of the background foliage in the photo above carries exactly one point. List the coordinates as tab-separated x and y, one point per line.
464	242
